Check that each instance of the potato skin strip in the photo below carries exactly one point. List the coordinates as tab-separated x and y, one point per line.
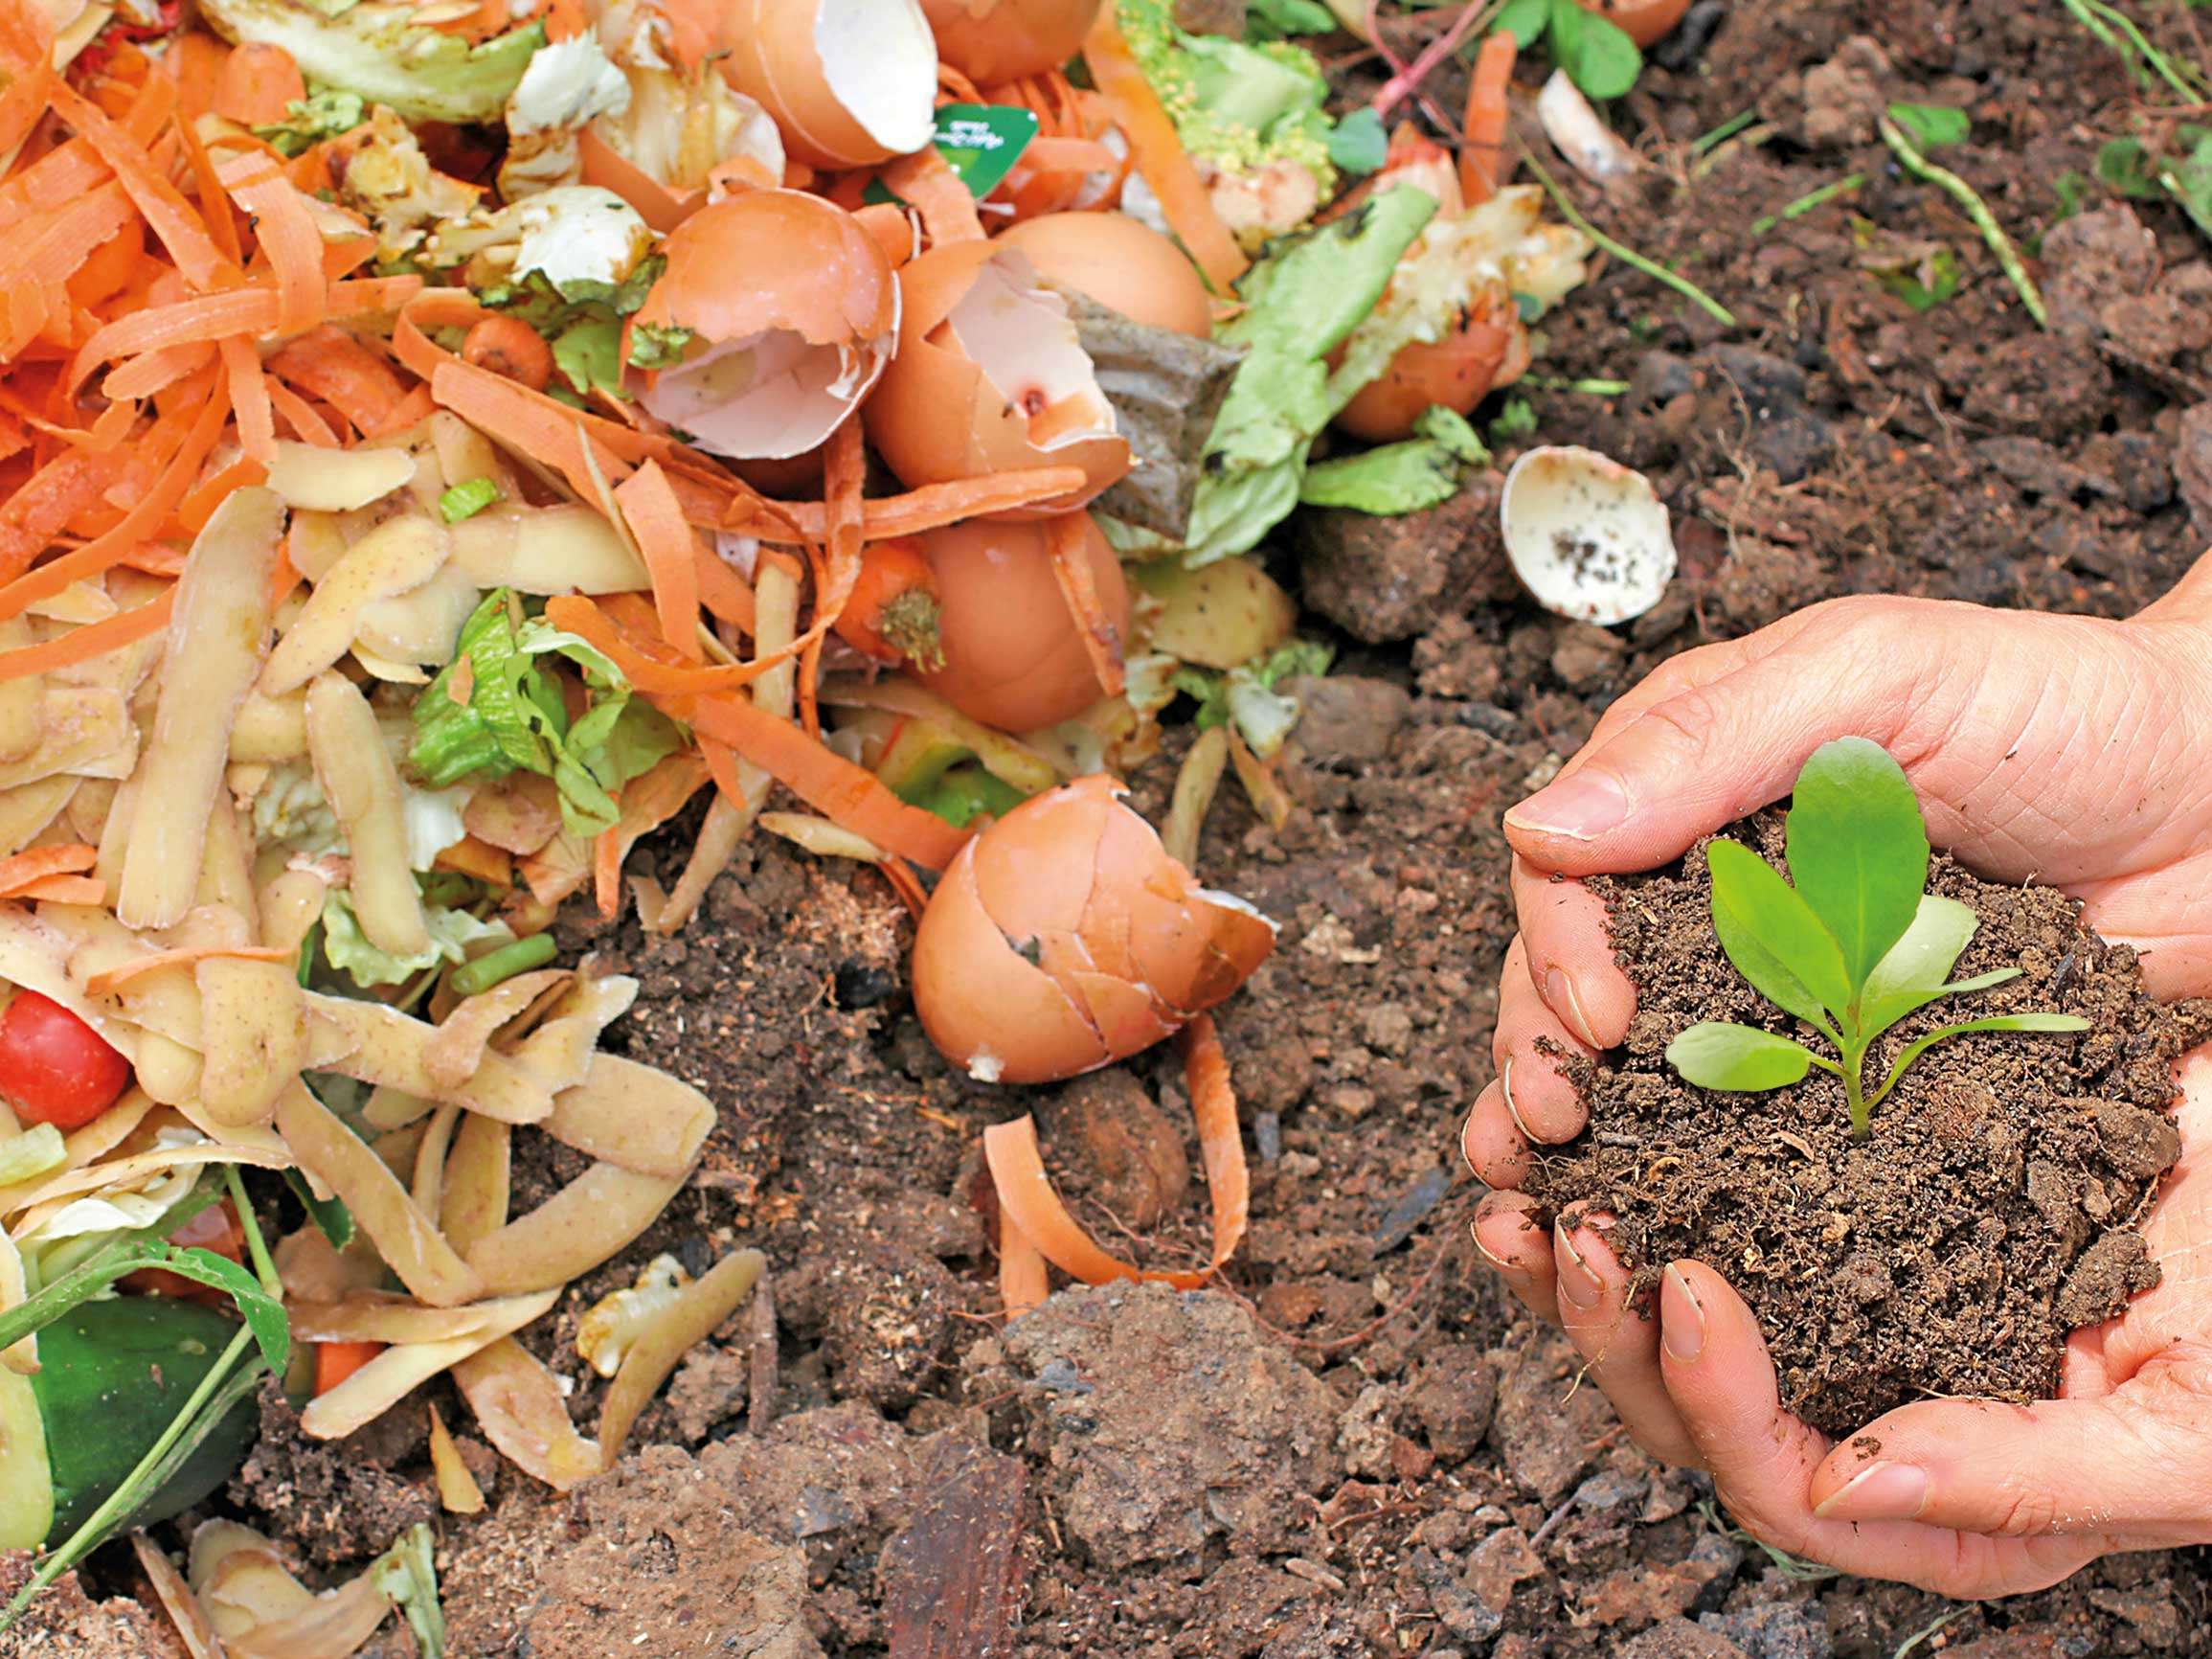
583	1224
520	1408
402	1368
457	1492
254	1028
687	1321
357	774
375	1044
1029	1206
406	1237
223	607
109	980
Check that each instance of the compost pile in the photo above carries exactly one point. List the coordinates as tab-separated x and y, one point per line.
542	544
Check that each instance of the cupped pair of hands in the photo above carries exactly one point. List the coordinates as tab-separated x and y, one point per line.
2063	750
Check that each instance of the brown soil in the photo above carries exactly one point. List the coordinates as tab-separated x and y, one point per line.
1358	1448
1989	1211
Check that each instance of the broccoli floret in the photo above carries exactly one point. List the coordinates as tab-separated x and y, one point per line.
1239	107
378	52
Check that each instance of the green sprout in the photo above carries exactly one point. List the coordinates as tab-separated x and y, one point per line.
1852	948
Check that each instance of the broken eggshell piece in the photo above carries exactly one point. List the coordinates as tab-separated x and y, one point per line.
851	83
990	377
793	310
1588	537
994	42
1063	938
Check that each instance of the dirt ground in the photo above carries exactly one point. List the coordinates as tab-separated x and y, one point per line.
1357	1447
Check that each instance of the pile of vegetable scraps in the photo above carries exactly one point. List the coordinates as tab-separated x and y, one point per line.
440	440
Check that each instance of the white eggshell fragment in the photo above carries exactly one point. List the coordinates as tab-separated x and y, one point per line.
1579	133
1588	537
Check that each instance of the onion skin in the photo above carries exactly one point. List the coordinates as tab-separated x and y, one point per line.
990	41
1124	265
1013	657
1063	938
1646	22
1457	371
935	417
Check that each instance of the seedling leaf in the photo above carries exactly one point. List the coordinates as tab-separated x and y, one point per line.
1932	125
1598	55
1858	850
1774	938
1924	957
1714	1055
2030	1022
1525	20
1875	1018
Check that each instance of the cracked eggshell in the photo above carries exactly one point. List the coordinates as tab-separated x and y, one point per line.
793	309
1013	655
851	83
989	376
1588	537
1123	266
994	42
1063	938
1643	21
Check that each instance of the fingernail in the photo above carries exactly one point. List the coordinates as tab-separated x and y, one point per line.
1498	1263
1506	1088
1580	807
1881	1492
1681	1320
1578	1281
1559	993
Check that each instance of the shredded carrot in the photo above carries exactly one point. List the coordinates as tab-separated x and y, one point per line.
607	873
1160	154
845	795
334	367
64	889
164	209
243	310
726	595
260	80
284	231
214	205
299	414
928	184
250	398
932	507
1029	1205
1482	156
93	640
108	980
671	551
194	511
907	885
64	240
1069	537
1022	1280
589	621
72	859
336	1361
512	415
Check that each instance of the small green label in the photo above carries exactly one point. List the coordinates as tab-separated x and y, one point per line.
983	141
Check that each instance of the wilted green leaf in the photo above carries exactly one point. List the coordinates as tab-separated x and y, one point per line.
1597	54
1525	20
1932	125
1358	143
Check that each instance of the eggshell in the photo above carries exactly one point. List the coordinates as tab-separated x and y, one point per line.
1489	349
1063	938
1013	656
851	83
990	378
782	357
1588	537
990	41
1646	22
1125	265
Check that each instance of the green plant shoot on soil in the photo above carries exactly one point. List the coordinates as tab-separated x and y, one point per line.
1852	948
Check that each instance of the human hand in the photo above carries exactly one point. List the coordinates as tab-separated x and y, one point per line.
2041	747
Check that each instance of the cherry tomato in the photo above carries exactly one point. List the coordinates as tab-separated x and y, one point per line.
215	1228
53	1068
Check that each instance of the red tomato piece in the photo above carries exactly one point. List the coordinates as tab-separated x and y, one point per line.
53	1068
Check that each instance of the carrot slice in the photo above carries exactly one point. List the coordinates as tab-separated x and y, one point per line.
1161	157
245	310
588	620
166	210
1029	1204
607	873
93	640
260	80
63	240
284	230
299	414
1482	156
1071	548
72	859
1023	1282
250	398
671	551
336	1361
727	596
64	889
108	980
844	793
932	507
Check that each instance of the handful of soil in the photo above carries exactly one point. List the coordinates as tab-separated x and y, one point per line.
1994	1207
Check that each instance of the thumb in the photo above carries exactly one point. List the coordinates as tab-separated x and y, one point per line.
2114	1465
1710	754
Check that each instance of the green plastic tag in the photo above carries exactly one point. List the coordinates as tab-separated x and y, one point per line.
983	141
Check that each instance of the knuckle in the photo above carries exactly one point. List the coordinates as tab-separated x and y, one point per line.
2024	1511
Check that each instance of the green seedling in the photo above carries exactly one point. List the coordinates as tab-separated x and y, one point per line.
1852	948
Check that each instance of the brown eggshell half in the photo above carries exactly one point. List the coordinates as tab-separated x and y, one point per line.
851	83
1125	265
991	41
1013	657
990	377
795	311
1063	938
1489	349
1646	22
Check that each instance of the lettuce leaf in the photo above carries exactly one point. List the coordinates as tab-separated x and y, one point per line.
347	949
1422	471
1302	303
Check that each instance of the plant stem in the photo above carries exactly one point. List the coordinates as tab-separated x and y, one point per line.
1807	202
265	1268
1976	210
1587	388
1625	254
1720	134
2101	20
